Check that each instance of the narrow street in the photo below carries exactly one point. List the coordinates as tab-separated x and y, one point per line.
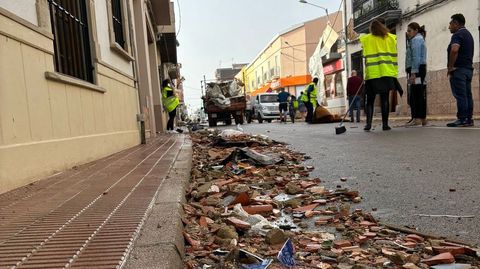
399	174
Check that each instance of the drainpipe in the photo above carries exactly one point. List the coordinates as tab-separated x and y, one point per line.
140	116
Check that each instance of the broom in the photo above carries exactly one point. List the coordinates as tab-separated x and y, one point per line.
340	129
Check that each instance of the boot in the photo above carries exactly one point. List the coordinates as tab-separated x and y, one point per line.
369	112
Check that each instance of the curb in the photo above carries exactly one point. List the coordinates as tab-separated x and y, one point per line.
160	244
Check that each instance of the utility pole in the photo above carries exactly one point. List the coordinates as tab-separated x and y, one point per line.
347	56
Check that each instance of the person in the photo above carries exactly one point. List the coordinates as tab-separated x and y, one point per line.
416	61
293	107
301	105
460	70
311	103
170	102
354	85
380	53
283	104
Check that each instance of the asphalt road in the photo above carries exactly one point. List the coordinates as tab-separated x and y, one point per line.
400	173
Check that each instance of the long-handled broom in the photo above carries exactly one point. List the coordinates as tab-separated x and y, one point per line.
340	129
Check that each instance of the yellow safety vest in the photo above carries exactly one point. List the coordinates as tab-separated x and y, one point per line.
171	102
313	94
304	98
380	56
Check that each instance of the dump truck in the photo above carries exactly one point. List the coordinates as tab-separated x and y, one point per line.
224	101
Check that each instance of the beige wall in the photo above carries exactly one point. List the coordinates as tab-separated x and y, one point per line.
48	126
106	53
293	57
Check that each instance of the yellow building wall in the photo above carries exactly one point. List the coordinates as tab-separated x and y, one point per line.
48	126
262	60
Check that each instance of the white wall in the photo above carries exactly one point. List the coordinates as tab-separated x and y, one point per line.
438	36
25	9
106	53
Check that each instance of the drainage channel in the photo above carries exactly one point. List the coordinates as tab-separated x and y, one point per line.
62	180
93	229
17	217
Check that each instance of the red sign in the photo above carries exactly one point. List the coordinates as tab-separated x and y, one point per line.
333	67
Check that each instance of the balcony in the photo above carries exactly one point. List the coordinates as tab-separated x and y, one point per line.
364	11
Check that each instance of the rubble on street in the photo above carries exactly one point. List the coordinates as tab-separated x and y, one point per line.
252	204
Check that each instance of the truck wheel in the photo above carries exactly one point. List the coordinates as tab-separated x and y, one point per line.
239	119
260	119
212	122
269	121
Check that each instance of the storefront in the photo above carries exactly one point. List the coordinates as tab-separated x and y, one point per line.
334	85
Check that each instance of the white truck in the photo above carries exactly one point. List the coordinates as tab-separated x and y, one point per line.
263	106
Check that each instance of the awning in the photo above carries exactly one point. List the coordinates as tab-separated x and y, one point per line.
282	83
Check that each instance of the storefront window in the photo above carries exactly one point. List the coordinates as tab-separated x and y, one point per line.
334	86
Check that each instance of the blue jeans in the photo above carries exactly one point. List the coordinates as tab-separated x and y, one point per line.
461	84
354	103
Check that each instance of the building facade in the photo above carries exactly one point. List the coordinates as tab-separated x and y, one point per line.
284	63
76	76
435	16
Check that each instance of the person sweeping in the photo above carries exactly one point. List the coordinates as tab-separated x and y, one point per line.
170	103
380	53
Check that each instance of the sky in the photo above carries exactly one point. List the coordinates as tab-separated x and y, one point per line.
217	33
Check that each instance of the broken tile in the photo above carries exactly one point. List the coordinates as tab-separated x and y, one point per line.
444	258
305	208
341	243
258	209
239	224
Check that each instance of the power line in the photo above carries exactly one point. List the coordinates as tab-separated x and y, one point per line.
179	18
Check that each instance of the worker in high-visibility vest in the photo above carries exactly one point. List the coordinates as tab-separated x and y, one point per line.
170	102
381	69
311	104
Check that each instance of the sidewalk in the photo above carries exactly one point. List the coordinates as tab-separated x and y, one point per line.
90	216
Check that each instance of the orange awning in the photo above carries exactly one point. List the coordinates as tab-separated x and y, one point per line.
283	82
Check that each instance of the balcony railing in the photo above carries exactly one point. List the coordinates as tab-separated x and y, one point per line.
366	10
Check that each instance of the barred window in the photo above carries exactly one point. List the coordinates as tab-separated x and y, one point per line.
117	18
71	38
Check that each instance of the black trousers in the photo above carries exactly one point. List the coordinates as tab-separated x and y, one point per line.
171	119
309	107
370	102
418	95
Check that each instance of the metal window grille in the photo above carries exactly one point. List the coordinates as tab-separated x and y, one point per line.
72	43
118	22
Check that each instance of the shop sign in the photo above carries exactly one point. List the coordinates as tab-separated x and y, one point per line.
333	67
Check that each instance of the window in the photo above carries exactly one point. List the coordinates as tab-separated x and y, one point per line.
72	42
117	19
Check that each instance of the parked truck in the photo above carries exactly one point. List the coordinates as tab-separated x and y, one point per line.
224	101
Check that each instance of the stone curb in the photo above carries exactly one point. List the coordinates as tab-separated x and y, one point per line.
160	244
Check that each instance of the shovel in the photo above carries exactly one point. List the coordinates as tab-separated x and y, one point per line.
340	129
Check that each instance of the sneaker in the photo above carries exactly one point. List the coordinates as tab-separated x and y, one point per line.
458	123
414	122
424	122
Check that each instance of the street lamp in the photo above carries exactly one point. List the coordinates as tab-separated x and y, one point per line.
293	56
308	3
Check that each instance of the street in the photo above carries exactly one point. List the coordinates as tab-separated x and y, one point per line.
399	174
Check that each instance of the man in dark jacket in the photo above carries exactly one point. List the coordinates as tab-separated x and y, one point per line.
353	93
460	70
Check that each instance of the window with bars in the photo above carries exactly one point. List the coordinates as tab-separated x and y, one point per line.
71	38
117	18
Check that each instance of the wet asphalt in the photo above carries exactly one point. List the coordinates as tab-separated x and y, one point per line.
400	173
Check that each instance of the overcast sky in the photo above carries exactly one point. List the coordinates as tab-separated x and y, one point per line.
217	33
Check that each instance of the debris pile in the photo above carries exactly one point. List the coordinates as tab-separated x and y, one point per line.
252	204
